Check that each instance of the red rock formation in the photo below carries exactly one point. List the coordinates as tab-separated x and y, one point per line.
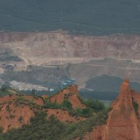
123	122
70	93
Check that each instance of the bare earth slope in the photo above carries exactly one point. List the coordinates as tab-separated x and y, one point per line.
17	110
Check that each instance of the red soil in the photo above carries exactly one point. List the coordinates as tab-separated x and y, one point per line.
35	99
14	115
63	116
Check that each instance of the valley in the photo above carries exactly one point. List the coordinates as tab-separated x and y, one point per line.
79	57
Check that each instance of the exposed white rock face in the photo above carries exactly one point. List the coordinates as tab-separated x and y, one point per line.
59	48
51	47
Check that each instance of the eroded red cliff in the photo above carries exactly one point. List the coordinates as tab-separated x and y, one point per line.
70	93
123	121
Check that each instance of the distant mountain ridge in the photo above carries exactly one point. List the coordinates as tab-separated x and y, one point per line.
77	16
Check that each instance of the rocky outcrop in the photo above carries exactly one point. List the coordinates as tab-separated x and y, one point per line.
53	47
123	121
71	94
59	47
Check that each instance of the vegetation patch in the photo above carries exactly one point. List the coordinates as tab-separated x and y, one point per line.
8	108
66	104
135	105
4	90
92	106
66	96
82	112
20	118
95	105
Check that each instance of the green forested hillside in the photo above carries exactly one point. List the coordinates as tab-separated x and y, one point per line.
104	87
79	16
106	83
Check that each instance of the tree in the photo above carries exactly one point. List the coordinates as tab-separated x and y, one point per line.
3	88
66	104
33	91
95	104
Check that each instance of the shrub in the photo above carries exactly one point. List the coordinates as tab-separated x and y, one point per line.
54	105
135	105
95	104
85	112
12	116
20	119
8	108
1	130
66	104
20	99
70	128
4	88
